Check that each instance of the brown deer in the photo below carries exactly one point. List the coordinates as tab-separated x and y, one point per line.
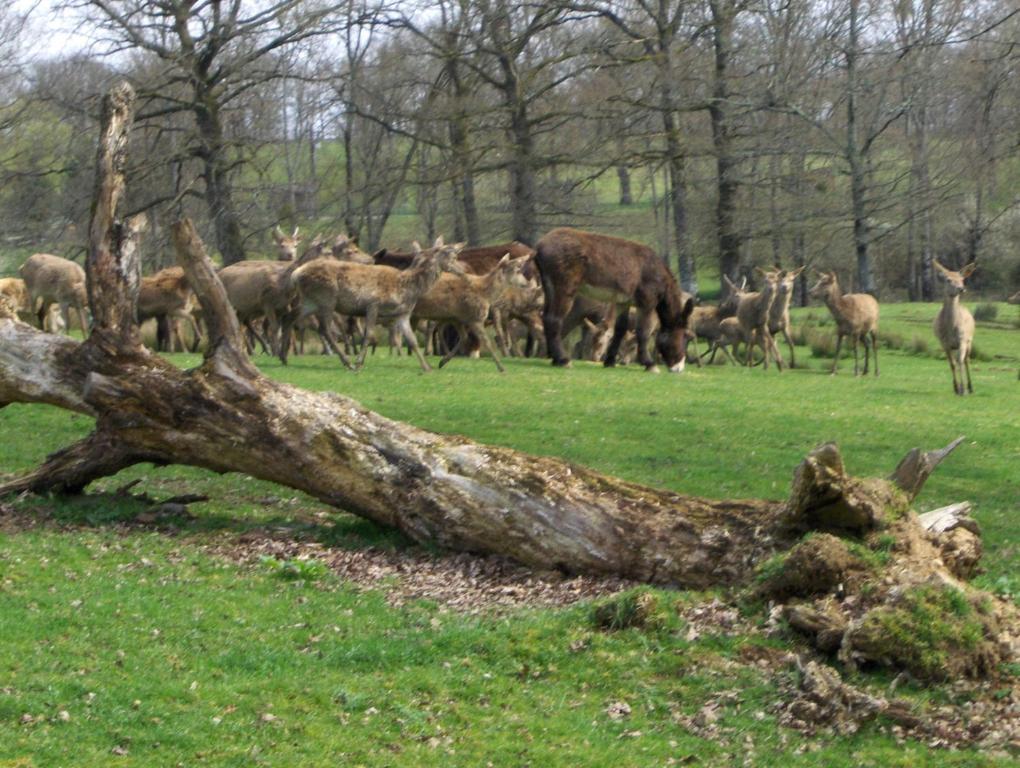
731	335
1014	299
371	291
954	325
53	280
620	272
466	300
779	315
166	294
753	310
856	316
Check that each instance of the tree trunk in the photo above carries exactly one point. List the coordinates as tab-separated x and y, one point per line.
524	225
727	184
218	192
227	417
858	173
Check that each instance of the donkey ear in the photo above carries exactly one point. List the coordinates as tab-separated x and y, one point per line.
968	270
688	308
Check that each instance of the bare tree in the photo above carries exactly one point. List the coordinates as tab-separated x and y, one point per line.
213	53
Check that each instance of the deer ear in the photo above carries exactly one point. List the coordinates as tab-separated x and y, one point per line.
438	243
590	325
277	233
968	270
797	271
504	261
295	235
416	247
935	263
761	271
729	283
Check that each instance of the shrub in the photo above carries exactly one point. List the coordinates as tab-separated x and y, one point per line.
638	608
986	313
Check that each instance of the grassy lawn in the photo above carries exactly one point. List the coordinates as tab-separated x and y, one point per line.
126	644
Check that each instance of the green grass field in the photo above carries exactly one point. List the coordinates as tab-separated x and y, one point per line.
146	645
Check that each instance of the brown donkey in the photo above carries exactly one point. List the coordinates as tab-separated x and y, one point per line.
856	316
954	325
620	272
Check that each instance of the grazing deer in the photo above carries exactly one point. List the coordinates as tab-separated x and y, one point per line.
167	294
53	280
954	325
620	272
779	315
753	310
371	291
1014	299
856	316
466	300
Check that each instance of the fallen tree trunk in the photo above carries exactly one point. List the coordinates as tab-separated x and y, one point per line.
227	417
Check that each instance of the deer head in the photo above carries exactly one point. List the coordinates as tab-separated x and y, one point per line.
822	288
955	280
287	245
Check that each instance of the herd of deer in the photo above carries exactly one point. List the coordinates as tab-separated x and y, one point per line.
572	279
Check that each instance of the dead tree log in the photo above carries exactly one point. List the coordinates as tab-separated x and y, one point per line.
225	416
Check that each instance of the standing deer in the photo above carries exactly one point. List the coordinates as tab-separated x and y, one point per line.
706	321
53	280
954	325
167	294
371	291
16	291
779	315
856	316
467	299
753	312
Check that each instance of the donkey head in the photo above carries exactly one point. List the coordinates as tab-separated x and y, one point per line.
671	341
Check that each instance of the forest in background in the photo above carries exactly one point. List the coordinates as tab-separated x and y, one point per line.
867	137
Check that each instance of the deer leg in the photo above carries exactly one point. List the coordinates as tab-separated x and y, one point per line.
371	315
451	352
853	343
874	350
789	343
965	366
835	358
867	351
776	354
952	368
478	328
326	330
404	324
753	340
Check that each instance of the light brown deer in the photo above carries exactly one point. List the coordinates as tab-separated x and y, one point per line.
167	294
705	322
856	316
954	325
466	300
779	315
731	335
1014	299
371	291
753	313
53	280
